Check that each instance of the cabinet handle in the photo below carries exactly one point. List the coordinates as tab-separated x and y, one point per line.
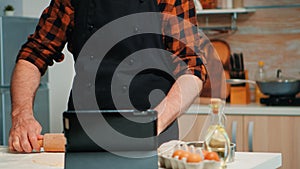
250	136
233	131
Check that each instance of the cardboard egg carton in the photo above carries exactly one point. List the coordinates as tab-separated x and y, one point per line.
167	161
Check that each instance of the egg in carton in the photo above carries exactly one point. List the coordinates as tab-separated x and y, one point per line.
165	152
182	155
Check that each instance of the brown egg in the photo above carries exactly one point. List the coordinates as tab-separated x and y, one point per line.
185	154
204	152
194	158
212	156
178	153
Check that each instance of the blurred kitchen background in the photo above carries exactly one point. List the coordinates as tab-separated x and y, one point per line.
270	33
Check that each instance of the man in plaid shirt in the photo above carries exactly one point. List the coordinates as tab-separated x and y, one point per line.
66	21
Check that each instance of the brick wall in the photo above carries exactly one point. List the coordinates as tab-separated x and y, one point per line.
271	34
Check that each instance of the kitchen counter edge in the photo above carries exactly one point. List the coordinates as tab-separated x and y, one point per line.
248	109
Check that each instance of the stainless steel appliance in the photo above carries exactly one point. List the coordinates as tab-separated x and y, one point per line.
13	33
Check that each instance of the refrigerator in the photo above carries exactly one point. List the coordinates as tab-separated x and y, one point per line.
13	34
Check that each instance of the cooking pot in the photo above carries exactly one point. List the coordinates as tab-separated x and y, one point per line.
279	86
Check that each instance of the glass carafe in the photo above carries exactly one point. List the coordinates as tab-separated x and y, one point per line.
216	138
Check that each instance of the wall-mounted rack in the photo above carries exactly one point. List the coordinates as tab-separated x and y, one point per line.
234	14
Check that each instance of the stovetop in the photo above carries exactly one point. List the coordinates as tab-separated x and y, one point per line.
281	101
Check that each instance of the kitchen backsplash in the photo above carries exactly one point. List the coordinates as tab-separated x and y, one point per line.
270	34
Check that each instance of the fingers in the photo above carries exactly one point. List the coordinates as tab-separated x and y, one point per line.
10	145
40	137
25	144
16	144
24	136
33	138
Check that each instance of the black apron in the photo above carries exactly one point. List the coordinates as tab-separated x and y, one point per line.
91	15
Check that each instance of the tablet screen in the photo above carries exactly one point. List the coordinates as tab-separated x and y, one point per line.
110	130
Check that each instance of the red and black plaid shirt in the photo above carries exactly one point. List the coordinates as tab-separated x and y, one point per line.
57	20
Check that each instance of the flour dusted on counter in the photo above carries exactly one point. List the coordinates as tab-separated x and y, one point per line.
49	159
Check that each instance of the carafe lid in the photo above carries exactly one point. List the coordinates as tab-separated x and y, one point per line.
216	105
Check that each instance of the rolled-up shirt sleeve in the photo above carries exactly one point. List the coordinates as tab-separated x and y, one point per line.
45	45
185	40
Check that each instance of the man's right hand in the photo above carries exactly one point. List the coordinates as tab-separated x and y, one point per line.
25	130
25	133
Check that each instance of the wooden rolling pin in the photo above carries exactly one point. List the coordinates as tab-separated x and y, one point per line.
53	142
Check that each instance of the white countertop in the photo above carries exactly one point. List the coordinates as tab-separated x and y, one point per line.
249	109
247	160
243	160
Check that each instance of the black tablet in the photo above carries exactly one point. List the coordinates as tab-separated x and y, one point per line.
110	130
